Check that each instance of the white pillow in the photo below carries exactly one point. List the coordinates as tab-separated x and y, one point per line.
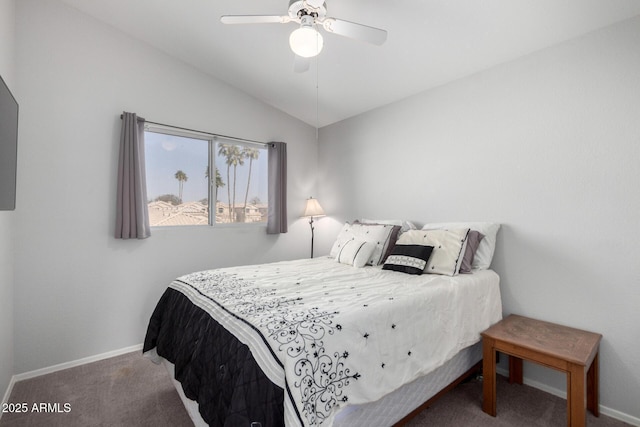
448	248
484	254
380	235
405	225
355	253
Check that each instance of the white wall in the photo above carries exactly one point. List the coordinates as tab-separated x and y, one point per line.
80	292
7	29
547	145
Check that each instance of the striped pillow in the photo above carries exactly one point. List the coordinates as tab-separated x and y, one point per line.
355	253
382	236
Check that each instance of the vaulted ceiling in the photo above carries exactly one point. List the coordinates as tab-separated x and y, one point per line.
430	43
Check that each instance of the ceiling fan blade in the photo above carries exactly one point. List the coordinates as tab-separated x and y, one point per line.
254	19
352	30
300	64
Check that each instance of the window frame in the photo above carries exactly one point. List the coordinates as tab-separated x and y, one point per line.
211	140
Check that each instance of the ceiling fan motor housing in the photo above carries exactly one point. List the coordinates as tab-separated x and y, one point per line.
300	8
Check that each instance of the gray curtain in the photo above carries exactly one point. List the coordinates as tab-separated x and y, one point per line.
277	211
132	216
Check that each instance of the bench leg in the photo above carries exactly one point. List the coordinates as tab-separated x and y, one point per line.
593	387
489	376
515	370
576	396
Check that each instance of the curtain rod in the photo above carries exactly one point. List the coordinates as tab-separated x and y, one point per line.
140	119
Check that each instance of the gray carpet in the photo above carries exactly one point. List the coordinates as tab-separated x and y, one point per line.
129	390
517	405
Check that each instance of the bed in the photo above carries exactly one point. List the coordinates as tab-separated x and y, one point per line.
319	342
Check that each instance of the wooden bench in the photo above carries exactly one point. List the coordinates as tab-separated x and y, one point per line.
569	350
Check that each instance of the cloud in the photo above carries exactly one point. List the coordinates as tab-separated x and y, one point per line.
168	145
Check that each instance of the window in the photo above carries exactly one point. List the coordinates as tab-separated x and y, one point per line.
182	191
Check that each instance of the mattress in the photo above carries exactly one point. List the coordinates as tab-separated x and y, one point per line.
386	411
330	335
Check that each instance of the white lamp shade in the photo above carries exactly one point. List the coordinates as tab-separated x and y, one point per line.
306	42
313	208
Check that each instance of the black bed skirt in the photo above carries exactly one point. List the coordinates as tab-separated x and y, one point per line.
215	369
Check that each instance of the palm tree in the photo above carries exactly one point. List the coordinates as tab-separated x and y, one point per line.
224	150
251	154
237	158
181	177
234	158
219	181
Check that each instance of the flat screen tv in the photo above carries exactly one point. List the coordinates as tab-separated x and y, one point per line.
8	147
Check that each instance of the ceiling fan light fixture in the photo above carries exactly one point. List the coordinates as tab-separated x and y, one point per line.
306	41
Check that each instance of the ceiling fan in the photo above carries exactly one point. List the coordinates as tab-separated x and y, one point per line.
306	41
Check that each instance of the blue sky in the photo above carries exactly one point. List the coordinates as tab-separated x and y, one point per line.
166	154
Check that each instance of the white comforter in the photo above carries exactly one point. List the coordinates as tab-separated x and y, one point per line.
333	335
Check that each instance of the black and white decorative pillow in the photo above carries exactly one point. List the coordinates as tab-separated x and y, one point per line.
448	248
410	259
355	253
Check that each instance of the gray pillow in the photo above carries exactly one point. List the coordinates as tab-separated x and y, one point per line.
473	241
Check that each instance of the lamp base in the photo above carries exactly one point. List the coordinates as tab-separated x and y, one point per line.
311	225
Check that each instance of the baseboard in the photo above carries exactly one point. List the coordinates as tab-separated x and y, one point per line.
620	416
5	398
605	410
74	363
